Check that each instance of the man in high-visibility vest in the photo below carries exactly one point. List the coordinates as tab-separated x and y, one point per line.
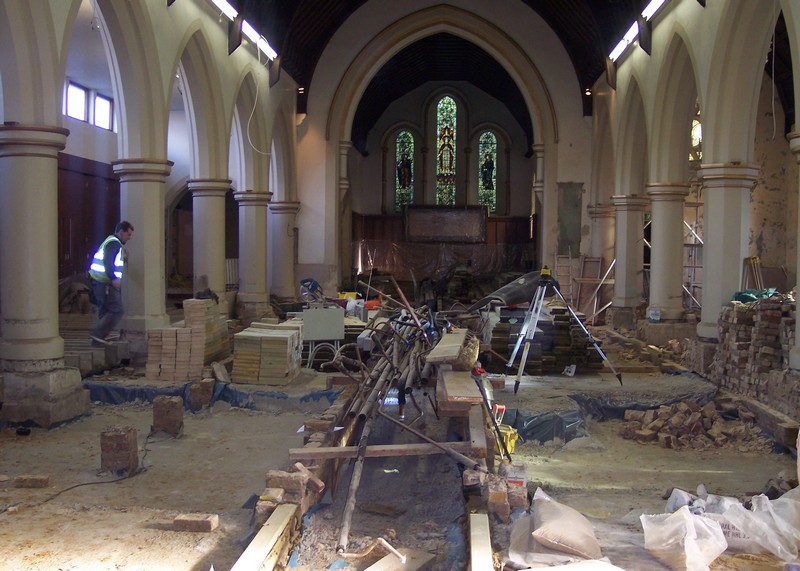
105	272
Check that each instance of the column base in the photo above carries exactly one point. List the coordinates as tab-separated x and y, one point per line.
708	331
621	317
252	307
43	398
660	333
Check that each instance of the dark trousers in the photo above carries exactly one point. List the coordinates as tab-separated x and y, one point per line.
108	300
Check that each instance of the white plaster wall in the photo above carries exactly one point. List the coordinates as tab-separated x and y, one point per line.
90	142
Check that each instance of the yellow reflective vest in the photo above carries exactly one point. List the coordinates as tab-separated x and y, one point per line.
97	270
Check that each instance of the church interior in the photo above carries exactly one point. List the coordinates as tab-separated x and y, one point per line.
529	264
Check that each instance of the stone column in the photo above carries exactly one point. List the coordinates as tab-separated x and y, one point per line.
537	203
208	231
345	226
794	352
630	257
726	192
37	387
666	255
253	296
284	219
142	190
603	218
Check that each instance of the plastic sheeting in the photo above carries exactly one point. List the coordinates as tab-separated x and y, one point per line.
112	393
546	426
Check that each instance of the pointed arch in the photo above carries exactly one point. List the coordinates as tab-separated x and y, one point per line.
253	146
736	63
631	160
677	93
282	180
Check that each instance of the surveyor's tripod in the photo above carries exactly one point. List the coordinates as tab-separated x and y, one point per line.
528	330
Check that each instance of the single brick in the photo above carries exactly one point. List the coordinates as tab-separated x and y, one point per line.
264	509
119	451
200	393
196	522
272	494
517	496
293	483
168	415
31	481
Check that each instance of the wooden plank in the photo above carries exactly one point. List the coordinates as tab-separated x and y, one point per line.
415	559
781	428
459	386
448	348
480	544
376	451
477	431
283	519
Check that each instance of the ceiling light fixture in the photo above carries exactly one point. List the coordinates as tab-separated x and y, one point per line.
648	14
249	31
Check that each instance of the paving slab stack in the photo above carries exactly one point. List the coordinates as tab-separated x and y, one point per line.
179	353
266	356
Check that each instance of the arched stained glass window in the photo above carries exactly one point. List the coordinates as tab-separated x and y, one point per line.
446	151
404	172
487	170
696	148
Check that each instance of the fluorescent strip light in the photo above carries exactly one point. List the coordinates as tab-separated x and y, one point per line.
225	8
250	32
617	51
651	9
264	46
632	32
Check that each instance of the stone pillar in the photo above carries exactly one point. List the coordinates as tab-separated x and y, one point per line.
666	255
537	202
253	296
345	226
794	352
36	386
630	257
208	231
726	192
142	189
601	243
284	219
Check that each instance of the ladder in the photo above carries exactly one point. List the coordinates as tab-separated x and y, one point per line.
563	273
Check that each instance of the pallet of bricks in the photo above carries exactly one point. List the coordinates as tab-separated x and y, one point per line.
179	353
267	354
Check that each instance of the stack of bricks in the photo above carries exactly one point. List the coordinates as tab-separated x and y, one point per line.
765	352
119	451
735	329
787	334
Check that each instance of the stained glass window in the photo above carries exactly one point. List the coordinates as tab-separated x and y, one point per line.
446	151
404	171
696	149
487	170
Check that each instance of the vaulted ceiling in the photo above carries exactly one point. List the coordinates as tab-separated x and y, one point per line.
299	30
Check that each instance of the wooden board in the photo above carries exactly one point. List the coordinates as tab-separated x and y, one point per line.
376	451
283	519
415	559
459	386
480	544
448	348
477	431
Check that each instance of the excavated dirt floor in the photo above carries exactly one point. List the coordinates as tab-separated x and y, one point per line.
85	520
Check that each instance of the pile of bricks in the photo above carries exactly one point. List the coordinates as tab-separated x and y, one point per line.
688	425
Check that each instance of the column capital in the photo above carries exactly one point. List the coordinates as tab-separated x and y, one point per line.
538	149
252	197
630	202
17	139
729	175
142	170
286	207
209	186
667	191
601	210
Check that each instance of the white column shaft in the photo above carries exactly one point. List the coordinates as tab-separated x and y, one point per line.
253	245
666	254
208	233
726	192
282	224
629	249
29	242
142	191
